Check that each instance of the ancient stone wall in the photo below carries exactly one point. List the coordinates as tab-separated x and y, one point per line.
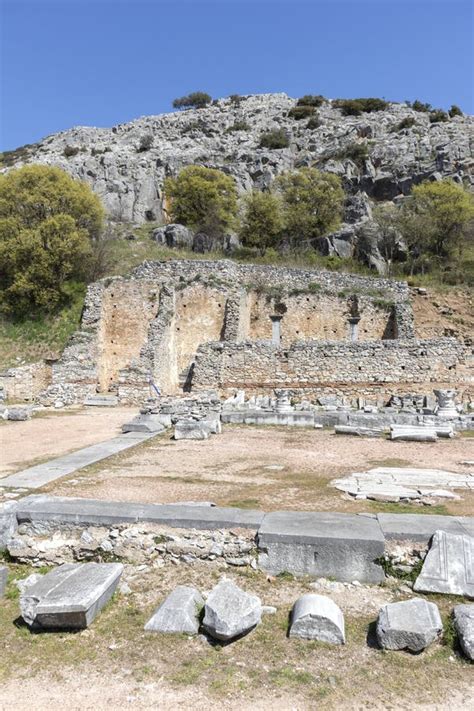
335	332
23	384
346	369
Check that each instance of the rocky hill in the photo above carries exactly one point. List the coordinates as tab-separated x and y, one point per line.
376	156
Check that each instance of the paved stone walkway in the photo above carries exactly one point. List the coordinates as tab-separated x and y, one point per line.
41	474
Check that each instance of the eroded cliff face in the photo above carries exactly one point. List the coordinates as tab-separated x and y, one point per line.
129	179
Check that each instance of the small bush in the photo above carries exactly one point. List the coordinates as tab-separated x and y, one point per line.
407	122
70	151
356	152
438	116
314	122
146	143
195	100
355	107
420	106
238	126
236	99
455	111
274	139
301	112
311	100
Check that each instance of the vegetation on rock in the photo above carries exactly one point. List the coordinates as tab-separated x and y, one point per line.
274	139
195	100
312	204
355	107
204	199
262	221
48	223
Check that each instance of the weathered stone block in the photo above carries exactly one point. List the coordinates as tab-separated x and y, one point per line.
18	414
70	596
417	527
144	423
101	401
464	624
8	522
230	612
317	617
411	624
343	546
192	429
179	613
448	566
3	580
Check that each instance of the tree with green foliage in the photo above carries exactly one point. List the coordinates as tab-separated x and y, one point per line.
48	223
203	199
195	100
455	111
262	221
312	204
437	222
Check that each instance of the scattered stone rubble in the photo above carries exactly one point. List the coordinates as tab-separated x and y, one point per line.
40	543
404	484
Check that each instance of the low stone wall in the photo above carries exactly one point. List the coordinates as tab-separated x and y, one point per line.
344	369
23	384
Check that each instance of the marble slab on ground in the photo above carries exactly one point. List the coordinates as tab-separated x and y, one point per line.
404	483
322	544
449	566
41	474
70	596
96	512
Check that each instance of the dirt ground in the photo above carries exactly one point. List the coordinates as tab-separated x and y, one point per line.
269	468
51	434
115	663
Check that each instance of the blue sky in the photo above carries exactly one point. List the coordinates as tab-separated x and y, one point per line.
100	62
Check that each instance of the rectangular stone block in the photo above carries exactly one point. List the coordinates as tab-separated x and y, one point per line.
417	527
3	580
343	546
8	522
102	513
70	596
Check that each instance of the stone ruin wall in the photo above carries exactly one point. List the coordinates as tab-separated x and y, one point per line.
370	369
154	322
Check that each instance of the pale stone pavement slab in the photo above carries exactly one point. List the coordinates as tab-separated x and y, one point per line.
41	474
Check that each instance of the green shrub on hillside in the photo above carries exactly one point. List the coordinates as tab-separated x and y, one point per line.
146	142
438	116
301	112
274	139
262	221
314	122
407	122
48	222
312	204
238	126
355	107
204	199
70	151
311	100
420	106
455	111
195	100
356	152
